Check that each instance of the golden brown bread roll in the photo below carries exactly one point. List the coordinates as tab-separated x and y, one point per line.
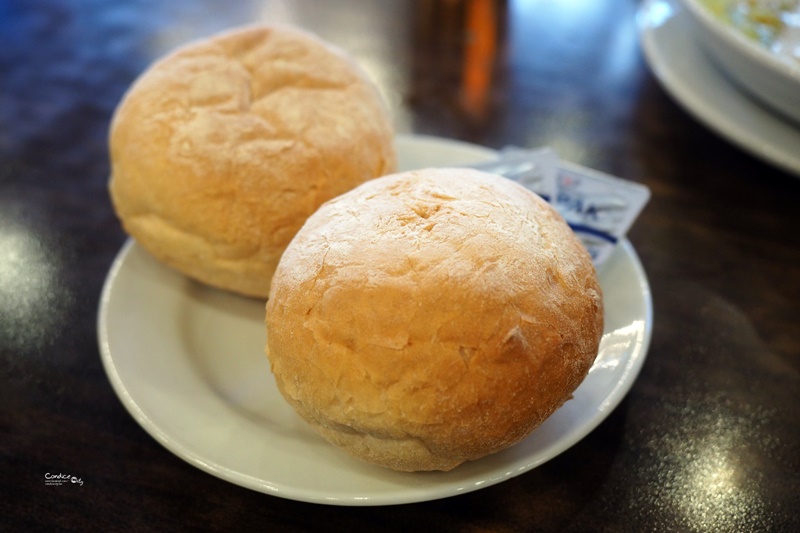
432	317
223	148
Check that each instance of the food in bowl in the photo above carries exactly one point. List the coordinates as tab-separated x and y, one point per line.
741	38
773	23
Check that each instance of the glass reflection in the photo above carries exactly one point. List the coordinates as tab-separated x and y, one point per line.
458	56
32	305
553	44
708	489
707	475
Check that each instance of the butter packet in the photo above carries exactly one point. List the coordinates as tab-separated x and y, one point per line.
536	169
599	208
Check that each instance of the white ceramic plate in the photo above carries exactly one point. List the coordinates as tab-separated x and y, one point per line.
769	76
682	67
188	363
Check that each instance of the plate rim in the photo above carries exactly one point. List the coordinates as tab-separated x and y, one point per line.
613	399
650	19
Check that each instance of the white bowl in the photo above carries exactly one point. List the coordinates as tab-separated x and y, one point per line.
770	78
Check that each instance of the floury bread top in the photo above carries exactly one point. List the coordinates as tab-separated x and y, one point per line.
432	317
223	148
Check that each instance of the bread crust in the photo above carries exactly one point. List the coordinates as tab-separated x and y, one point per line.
223	148
432	317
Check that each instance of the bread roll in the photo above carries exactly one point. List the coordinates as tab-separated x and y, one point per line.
432	317
223	148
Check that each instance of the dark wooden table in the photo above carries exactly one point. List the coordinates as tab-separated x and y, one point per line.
706	440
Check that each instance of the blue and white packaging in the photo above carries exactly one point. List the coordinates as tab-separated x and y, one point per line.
535	169
600	208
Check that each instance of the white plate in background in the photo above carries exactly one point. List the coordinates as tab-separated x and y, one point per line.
686	72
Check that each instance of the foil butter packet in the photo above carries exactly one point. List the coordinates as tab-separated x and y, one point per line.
599	208
536	169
